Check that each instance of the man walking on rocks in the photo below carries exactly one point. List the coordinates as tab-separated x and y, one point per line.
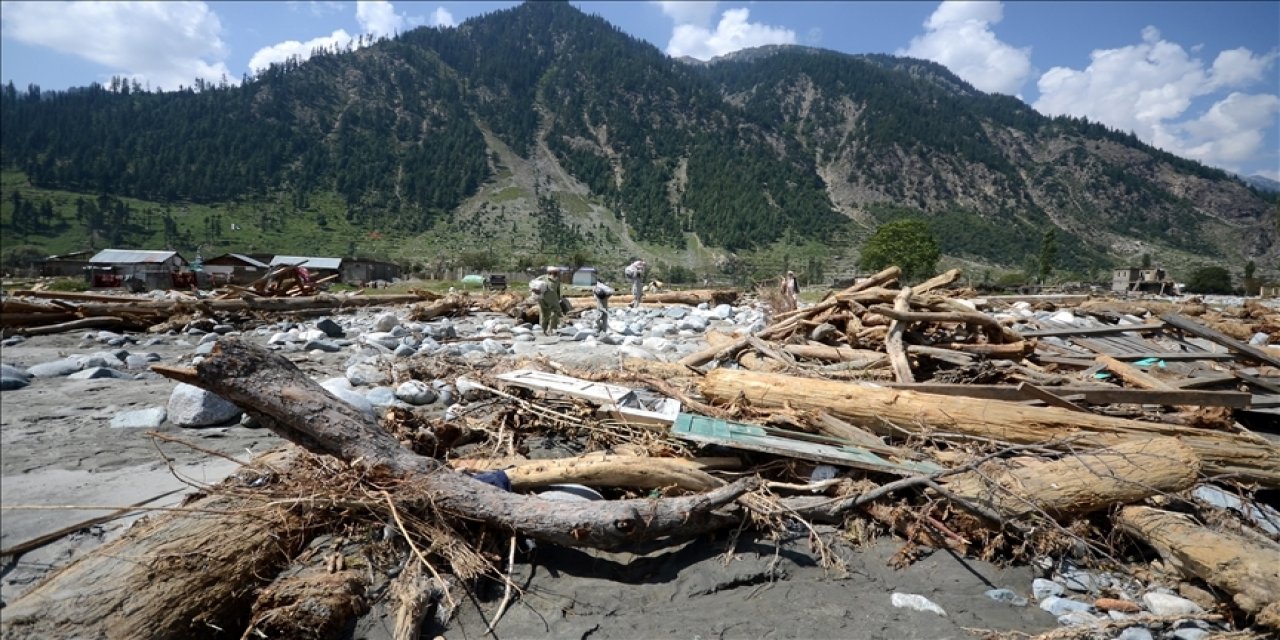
549	302
602	293
635	272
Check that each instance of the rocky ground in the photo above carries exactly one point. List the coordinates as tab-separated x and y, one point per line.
77	409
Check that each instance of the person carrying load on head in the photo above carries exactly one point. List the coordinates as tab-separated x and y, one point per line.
635	272
602	292
790	292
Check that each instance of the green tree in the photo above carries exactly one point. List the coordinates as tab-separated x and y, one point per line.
1250	282
1146	261
907	243
1048	253
1209	280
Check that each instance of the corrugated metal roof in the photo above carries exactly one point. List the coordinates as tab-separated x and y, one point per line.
308	262
242	258
131	256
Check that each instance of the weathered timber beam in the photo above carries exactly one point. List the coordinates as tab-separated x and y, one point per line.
1185	324
1094	331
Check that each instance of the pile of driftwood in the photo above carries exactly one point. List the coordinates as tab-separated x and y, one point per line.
389	513
288	281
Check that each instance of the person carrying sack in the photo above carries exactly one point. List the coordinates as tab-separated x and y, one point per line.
602	292
635	272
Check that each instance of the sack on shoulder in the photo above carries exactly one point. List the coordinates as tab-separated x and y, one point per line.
565	306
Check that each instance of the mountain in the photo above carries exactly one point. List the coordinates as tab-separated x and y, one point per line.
552	132
1262	183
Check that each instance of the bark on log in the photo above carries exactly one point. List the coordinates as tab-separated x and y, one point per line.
868	406
83	323
893	343
425	311
992	327
865	357
937	282
714	352
312	605
271	388
1084	482
1248	569
169	576
602	470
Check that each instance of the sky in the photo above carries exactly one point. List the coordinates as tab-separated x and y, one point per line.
1199	79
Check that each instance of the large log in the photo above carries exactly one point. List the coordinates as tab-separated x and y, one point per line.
827	353
1248	569
870	406
1084	482
604	470
272	389
177	576
893	343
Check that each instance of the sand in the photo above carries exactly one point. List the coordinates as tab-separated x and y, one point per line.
56	448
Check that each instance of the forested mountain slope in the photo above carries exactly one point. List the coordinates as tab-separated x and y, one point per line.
777	143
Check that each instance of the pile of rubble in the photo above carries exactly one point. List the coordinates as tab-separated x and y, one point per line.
1117	446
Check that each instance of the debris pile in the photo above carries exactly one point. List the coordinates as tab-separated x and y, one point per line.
1119	450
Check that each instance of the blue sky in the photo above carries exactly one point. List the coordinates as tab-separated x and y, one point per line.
1200	79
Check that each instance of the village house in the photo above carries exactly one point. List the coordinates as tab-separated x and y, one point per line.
234	268
137	270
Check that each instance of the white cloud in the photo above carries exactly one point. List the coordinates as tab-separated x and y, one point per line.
378	18
732	33
317	8
1147	88
165	44
442	18
282	51
958	36
688	12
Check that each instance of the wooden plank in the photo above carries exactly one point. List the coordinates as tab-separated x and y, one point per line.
1083	363
1093	331
1196	382
1272	385
1173	355
1069	299
1131	374
617	401
1093	394
752	437
1032	391
1188	325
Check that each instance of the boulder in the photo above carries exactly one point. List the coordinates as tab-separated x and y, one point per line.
386	322
416	392
381	396
55	369
331	328
95	373
191	406
341	389
366	375
327	346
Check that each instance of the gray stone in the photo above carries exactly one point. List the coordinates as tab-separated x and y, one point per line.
525	337
205	348
657	345
96	373
223	329
1062	606
676	313
1041	589
136	362
13	340
12	383
150	418
249	422
312	334
382	338
107	336
381	396
583	334
1135	633
662	329
1006	595
331	328
191	406
693	323
327	346
10	371
631	351
57	368
1078	619
209	337
723	311
1189	633
366	375
493	347
1163	604
385	322
341	389
1079	580
279	338
98	360
416	392
404	351
634	329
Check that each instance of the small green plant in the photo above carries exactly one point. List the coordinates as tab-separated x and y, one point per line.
68	284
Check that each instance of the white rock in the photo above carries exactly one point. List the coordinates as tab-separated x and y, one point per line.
416	392
657	345
1042	589
1163	604
723	311
342	390
140	419
364	374
386	322
191	406
916	602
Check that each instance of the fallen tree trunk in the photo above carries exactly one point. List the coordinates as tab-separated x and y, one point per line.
1084	482
107	322
865	357
295	407
1248	569
602	470
893	343
176	576
875	407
